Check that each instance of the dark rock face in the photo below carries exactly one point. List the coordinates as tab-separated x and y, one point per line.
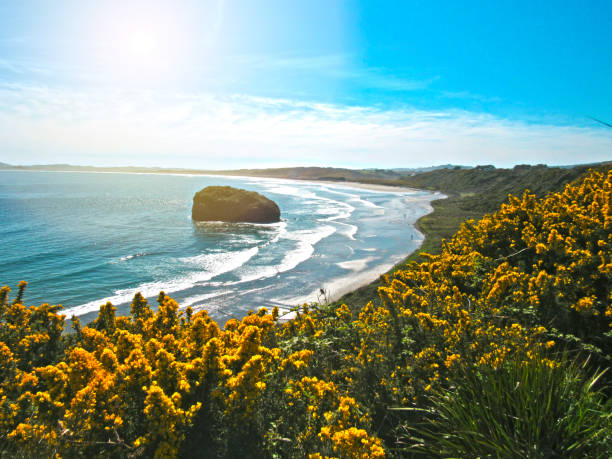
228	204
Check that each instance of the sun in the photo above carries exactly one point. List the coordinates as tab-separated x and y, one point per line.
145	42
139	50
141	44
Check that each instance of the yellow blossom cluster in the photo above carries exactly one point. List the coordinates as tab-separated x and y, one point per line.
160	384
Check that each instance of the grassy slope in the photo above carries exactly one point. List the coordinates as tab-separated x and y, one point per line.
471	193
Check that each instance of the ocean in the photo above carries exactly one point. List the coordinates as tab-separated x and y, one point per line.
82	239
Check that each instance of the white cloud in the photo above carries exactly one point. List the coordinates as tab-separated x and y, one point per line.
42	125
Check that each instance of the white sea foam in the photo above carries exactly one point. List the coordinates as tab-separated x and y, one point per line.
355	265
249	275
133	255
213	264
197	298
291	191
354	198
306	240
148	289
282	227
366	203
336	209
348	230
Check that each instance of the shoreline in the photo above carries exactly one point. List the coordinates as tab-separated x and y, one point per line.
363	186
339	287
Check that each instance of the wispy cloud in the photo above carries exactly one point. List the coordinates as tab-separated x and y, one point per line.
319	62
23	67
342	67
469	95
202	130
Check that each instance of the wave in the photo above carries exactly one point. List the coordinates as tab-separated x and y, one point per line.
213	261
291	191
216	225
348	230
336	214
135	255
306	240
252	275
282	227
214	264
355	198
197	298
366	203
355	265
342	211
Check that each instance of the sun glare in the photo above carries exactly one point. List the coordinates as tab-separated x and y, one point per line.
141	44
143	49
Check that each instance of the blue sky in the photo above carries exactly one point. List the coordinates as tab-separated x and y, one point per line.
238	83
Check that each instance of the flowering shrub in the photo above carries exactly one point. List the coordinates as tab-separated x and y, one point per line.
152	383
514	286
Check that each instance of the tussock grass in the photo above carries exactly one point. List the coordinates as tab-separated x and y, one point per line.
523	410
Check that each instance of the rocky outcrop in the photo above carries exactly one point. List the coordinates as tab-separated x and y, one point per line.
228	204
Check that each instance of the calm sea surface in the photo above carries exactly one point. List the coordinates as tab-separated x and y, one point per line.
81	239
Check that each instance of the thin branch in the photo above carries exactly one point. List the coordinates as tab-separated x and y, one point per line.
512	254
600	121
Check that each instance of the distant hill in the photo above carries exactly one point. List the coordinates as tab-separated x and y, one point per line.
297	173
495	184
420	170
320	173
474	192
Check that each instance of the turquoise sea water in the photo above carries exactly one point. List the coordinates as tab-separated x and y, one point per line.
81	239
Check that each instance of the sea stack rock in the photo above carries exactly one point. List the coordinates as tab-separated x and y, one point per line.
228	204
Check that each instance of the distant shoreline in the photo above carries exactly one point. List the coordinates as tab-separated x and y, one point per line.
331	175
350	184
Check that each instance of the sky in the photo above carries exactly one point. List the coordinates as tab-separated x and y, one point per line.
269	83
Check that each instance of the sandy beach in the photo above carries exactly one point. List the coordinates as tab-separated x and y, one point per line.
366	186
